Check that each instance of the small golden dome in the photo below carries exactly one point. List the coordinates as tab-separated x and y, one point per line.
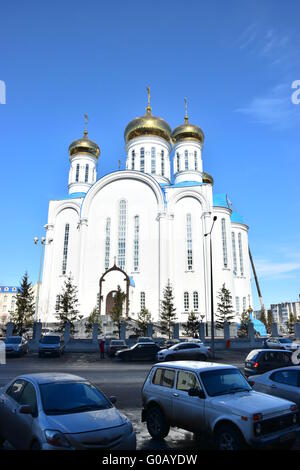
147	125
206	178
187	130
84	145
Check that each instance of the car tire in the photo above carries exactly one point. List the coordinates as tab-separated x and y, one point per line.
227	437
157	425
35	445
170	357
202	357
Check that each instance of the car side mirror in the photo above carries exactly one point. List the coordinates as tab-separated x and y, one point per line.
113	399
195	392
26	410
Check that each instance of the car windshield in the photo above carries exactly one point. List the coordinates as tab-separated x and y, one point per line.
13	340
252	355
224	381
285	340
50	339
72	397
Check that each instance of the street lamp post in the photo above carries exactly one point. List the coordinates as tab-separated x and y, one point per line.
212	322
43	242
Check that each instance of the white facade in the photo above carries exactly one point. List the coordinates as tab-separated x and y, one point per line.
152	225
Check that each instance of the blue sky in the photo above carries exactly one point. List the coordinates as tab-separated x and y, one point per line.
234	60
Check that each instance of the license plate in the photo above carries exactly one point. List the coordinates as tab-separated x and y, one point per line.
287	437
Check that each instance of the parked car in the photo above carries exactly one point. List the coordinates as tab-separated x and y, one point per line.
116	345
281	343
145	339
51	345
139	352
217	400
171	342
181	351
16	346
283	383
259	361
61	412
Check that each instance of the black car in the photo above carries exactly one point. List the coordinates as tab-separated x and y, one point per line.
259	361
51	345
139	352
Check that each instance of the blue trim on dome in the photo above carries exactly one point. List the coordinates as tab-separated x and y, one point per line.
237	218
76	195
220	200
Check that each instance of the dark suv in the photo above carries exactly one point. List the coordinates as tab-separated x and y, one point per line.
139	352
51	345
259	361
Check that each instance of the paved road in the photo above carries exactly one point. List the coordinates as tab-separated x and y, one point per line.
124	380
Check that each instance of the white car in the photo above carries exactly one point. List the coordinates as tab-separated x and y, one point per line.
282	343
216	399
187	350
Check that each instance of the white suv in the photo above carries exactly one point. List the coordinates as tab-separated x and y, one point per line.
215	399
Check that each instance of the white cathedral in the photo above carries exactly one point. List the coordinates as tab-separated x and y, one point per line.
144	226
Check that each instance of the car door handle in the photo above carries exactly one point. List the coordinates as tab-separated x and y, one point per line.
175	395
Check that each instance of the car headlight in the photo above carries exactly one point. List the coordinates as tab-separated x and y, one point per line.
56	438
257	428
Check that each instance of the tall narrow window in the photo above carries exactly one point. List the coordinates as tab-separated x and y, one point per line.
178	162
86	176
162	163
244	304
234	254
224	243
196	160
237	305
186	301
122	233
143	300
132	159
107	243
153	160
77	173
186	160
136	243
65	252
189	242
241	254
57	302
142	159
196	301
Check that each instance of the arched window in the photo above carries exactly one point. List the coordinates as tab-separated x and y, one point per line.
142	159
189	242
65	251
196	160
132	159
196	301
86	177
153	160
122	233
186	301
234	254
241	254
107	243
136	243
77	173
162	163
178	162
186	160
224	243
143	300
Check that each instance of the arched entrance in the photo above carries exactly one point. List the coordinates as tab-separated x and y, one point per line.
109	296
110	301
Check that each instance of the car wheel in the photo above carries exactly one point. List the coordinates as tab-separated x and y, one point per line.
157	426
202	357
228	438
35	445
170	357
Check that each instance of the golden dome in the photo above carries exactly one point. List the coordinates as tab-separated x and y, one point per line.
84	145
206	178
187	130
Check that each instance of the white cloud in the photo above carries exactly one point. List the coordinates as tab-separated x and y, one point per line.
267	269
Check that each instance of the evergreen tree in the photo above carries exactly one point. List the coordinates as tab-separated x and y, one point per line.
291	323
24	313
245	320
263	317
270	320
143	318
66	307
224	310
117	310
93	317
192	325
168	311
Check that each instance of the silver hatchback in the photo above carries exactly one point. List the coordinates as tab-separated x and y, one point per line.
61	411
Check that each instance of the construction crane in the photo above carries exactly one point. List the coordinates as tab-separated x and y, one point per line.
256	282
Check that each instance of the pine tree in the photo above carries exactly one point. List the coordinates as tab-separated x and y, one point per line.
143	318
291	323
117	310
66	307
192	325
245	320
263	318
93	317
270	320
168	311
224	309
24	313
